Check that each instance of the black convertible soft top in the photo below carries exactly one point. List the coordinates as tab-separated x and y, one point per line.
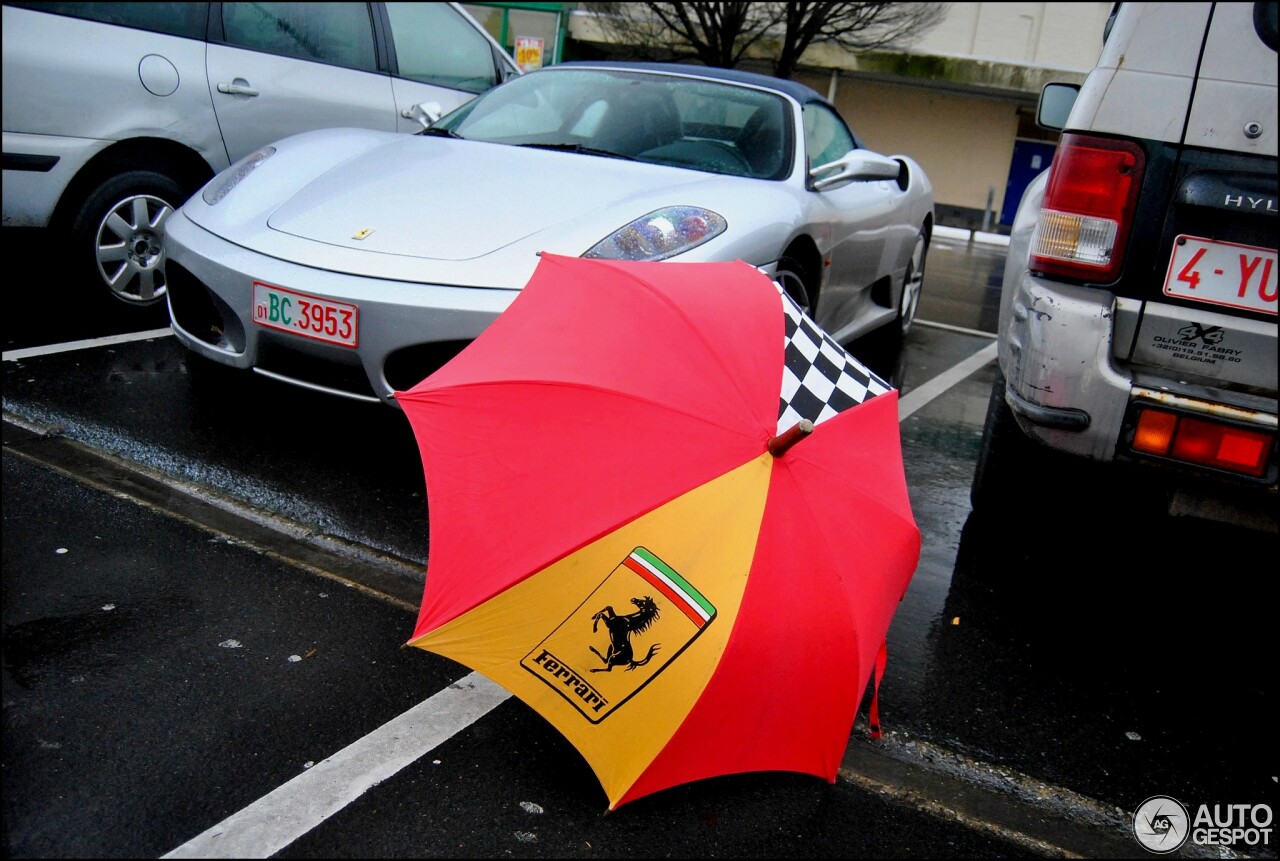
800	92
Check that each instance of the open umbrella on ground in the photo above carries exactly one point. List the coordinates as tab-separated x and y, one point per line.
670	515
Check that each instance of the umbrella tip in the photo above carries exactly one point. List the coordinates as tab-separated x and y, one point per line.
778	445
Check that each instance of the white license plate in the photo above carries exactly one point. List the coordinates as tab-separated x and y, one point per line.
306	315
1222	273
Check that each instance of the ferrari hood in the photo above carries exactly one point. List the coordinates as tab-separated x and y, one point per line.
449	200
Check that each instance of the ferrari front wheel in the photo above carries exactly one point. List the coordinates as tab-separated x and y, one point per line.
912	284
791	275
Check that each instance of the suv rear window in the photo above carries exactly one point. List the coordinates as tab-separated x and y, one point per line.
1264	21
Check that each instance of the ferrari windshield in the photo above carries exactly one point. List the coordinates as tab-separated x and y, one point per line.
660	119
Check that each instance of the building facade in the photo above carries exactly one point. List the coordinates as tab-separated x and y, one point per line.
962	99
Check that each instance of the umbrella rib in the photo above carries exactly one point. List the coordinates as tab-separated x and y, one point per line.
861	491
575	384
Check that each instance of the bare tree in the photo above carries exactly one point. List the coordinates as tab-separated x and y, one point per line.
722	33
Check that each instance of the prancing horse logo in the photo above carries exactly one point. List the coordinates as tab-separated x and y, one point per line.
619	653
670	613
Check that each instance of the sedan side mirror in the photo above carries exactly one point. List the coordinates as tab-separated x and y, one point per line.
854	166
425	113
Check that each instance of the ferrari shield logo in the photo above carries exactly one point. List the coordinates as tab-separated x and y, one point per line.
635	623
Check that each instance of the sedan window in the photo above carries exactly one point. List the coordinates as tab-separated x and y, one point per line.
337	33
176	19
435	45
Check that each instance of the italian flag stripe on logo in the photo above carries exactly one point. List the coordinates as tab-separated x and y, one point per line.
672	585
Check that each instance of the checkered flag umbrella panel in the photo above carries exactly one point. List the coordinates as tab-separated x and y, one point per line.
819	379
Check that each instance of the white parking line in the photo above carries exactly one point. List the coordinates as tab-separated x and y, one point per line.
278	818
89	343
921	395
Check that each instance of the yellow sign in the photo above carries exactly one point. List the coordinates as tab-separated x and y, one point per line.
529	52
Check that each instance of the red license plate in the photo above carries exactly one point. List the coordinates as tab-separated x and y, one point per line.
305	315
1222	273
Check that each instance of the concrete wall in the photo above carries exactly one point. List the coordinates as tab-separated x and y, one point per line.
1065	36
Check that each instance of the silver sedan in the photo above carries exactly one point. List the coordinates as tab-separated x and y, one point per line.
355	262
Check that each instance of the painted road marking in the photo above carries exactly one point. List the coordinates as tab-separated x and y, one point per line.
87	344
283	815
921	395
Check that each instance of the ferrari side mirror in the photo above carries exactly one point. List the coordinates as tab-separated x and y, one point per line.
854	166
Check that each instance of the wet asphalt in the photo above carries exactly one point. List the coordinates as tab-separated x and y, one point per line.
1041	684
160	677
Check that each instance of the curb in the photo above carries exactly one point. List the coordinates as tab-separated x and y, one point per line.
376	573
1044	819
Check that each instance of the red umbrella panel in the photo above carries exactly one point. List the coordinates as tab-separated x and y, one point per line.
669	514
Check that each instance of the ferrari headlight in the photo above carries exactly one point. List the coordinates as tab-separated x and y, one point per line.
661	234
223	184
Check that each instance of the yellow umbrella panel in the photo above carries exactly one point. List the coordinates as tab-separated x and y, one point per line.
614	643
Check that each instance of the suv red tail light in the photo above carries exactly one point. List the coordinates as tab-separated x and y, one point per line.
1088	208
1204	442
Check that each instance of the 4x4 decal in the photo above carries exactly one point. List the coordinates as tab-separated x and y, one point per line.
1209	335
1194	342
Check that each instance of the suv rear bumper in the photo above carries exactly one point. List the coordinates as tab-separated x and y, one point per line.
1068	388
1063	386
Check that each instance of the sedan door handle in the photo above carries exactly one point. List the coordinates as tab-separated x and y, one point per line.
237	90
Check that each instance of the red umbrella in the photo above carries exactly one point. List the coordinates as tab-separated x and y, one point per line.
669	514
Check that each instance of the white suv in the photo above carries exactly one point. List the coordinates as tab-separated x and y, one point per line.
1137	335
115	113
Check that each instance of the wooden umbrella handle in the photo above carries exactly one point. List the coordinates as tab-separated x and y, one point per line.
778	445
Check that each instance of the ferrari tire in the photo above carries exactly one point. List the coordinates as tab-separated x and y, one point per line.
912	284
796	283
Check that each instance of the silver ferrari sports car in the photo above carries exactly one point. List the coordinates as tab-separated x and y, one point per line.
356	262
